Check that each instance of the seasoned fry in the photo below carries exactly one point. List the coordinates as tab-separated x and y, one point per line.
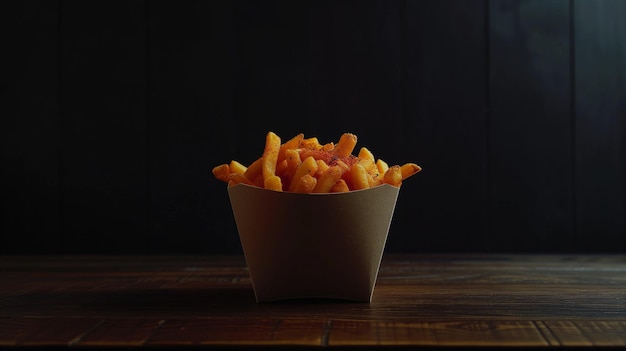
273	183
236	178
340	187
222	172
359	177
366	155
328	179
236	167
307	167
292	144
322	167
382	166
310	143
346	144
409	169
306	184
304	165
254	170
270	155
293	162
393	176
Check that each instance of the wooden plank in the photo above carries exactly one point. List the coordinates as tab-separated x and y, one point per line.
436	333
604	333
119	332
530	132
28	127
103	126
238	332
600	111
192	127
44	331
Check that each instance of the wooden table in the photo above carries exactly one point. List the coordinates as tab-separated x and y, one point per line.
208	301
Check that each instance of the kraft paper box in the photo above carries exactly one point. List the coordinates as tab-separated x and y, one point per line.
313	245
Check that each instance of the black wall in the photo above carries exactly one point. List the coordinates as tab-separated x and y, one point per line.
113	113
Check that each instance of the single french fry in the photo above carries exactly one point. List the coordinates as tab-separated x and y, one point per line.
328	179
273	183
340	187
236	167
409	169
382	166
393	176
305	184
328	147
236	178
292	143
374	177
310	143
322	167
254	170
307	167
345	145
359	177
270	155
221	172
292	156
366	155
281	167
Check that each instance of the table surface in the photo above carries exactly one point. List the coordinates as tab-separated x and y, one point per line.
208	301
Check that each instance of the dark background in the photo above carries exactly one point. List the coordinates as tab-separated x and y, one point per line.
113	114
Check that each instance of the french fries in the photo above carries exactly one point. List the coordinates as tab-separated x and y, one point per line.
304	165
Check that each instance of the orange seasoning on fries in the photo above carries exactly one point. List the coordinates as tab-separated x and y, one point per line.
303	165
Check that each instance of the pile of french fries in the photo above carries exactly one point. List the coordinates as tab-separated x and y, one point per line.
304	165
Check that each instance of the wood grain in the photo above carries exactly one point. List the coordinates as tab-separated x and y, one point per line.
427	300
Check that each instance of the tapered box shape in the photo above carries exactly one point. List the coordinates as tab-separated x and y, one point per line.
313	245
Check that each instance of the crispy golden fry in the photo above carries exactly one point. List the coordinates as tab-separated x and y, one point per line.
236	178
236	167
345	145
310	143
270	155
382	166
221	172
307	167
374	176
322	167
281	167
328	147
273	183
254	170
359	177
293	162
366	155
304	165
340	187
393	176
409	169
306	184
326	181
291	144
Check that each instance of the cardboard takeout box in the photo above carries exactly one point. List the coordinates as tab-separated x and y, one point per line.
313	245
